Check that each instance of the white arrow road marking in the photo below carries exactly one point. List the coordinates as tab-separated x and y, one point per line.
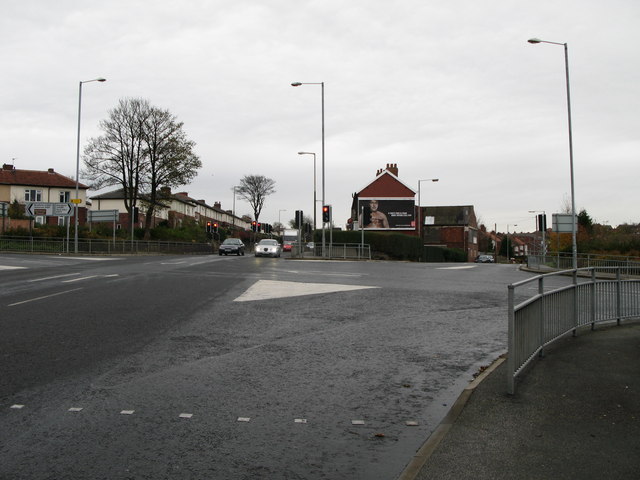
268	289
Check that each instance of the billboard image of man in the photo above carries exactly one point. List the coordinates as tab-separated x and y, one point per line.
377	219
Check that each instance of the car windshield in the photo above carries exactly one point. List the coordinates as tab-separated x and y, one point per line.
231	241
268	242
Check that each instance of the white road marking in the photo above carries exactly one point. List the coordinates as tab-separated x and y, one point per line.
42	298
244	419
51	278
10	267
456	268
80	279
92	259
75	409
268	289
186	415
127	412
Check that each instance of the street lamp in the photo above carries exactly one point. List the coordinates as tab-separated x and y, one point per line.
420	206
297	84
314	186
280	211
76	201
574	246
234	203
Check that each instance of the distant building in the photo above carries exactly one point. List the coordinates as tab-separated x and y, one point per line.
386	203
451	227
172	208
41	186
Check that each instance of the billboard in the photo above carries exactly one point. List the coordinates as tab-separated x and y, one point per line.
387	213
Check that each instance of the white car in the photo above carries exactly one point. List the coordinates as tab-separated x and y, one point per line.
268	248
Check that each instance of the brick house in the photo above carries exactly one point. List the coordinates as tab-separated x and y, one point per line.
385	204
451	227
41	186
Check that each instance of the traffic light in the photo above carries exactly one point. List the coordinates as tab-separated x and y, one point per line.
208	227
259	227
299	219
326	213
254	226
215	227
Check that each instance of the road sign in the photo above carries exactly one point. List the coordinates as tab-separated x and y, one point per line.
49	209
76	200
103	215
562	223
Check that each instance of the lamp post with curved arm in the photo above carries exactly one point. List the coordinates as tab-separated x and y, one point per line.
297	84
574	245
76	200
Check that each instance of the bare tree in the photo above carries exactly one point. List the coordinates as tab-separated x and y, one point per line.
170	158
255	189
143	147
118	156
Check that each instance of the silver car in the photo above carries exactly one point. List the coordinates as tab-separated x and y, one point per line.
268	248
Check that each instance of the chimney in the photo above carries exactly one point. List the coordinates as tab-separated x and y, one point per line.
6	166
50	170
165	191
217	205
379	171
393	168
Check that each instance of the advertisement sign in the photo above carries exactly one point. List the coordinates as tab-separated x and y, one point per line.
387	213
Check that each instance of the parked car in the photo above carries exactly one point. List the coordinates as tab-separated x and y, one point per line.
231	245
286	247
484	259
268	248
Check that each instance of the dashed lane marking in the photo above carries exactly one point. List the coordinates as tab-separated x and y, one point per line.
52	278
42	298
466	267
269	289
11	267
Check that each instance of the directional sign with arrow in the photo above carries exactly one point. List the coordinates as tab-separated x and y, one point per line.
49	209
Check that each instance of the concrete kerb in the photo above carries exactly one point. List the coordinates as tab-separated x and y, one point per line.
431	444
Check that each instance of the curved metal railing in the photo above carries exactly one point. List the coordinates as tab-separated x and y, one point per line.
594	295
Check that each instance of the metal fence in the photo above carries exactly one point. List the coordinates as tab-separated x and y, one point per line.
56	245
564	261
540	320
344	251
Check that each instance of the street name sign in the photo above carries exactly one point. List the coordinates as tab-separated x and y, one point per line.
49	209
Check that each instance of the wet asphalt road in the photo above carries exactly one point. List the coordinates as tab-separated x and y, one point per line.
162	340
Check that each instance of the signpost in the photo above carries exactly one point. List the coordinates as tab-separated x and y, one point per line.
49	209
104	216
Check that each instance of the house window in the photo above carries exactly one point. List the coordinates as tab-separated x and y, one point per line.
65	197
33	195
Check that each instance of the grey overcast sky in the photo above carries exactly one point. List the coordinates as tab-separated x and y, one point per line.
448	90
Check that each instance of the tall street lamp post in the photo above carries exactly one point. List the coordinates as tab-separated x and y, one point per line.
420	204
314	186
76	201
235	187
297	84
279	212
574	245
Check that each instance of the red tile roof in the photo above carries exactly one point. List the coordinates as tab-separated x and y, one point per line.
36	178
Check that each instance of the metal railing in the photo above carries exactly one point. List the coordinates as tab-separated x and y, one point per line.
564	261
344	251
542	319
57	245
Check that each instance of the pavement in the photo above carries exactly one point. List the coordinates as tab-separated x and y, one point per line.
575	415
